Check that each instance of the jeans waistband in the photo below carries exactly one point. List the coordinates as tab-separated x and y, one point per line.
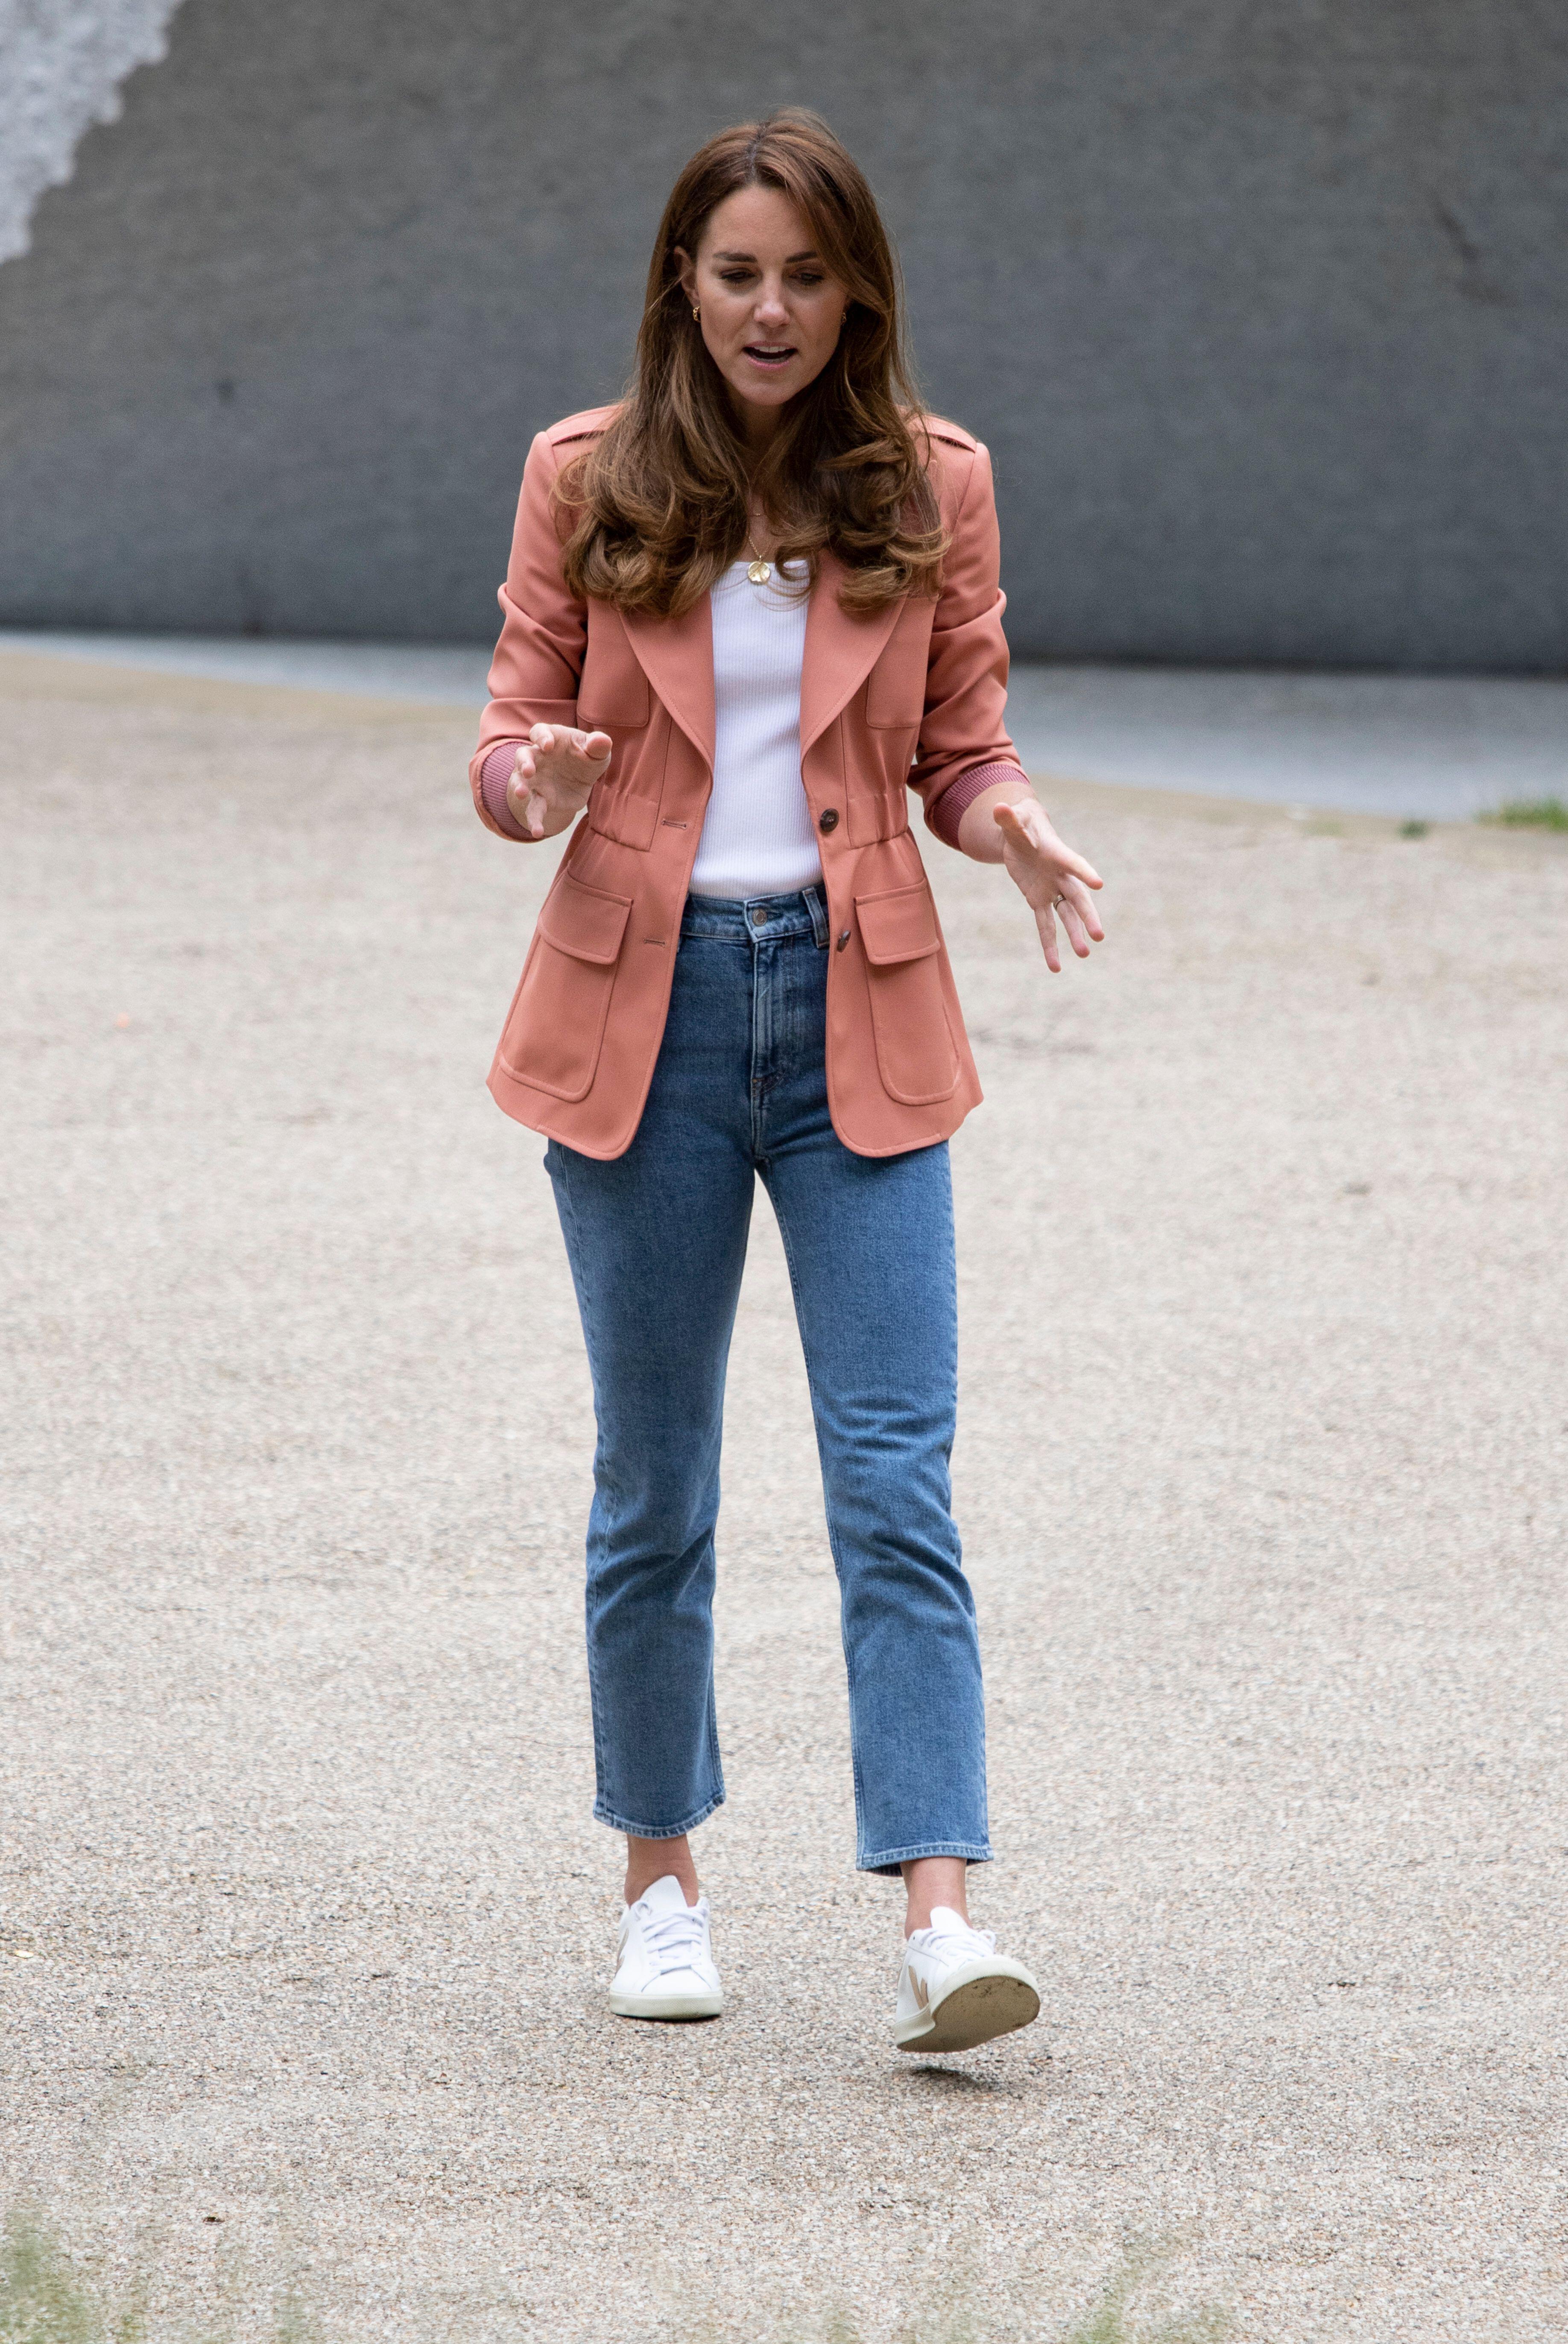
758	917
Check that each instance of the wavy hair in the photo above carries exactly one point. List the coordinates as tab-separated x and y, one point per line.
658	505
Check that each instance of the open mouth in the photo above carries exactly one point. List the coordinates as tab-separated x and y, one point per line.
770	354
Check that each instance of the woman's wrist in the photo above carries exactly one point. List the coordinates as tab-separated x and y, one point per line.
977	835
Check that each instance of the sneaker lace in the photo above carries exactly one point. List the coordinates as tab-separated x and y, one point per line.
952	1942
674	1939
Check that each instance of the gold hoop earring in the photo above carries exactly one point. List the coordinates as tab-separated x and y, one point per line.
697	313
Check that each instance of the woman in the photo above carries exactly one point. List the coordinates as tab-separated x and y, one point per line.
746	610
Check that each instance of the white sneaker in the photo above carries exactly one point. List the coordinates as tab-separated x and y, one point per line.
666	1957
955	1989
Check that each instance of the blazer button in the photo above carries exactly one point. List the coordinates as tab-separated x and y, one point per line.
829	819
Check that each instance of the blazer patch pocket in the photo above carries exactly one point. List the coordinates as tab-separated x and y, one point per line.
916	1056
556	1029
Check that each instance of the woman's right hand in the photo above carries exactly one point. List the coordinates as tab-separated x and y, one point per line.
554	769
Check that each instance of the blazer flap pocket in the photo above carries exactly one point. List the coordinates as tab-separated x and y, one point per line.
901	924
584	921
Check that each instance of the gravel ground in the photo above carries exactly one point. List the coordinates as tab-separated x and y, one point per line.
1426	747
1260	1473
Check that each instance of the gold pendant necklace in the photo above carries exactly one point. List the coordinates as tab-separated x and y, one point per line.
757	571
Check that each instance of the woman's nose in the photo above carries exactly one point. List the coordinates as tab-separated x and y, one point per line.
771	307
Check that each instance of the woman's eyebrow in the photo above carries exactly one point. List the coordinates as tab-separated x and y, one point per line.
789	262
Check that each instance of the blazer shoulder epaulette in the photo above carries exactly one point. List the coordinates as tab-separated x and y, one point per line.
951	435
586	425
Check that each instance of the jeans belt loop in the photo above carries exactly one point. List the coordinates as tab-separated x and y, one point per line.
818	912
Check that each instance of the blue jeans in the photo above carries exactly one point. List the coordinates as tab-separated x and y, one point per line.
657	1242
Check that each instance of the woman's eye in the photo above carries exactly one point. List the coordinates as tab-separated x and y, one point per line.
806	278
735	275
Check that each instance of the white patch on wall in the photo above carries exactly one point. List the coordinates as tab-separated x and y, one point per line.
62	63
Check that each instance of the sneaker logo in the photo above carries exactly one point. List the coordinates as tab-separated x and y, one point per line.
922	1991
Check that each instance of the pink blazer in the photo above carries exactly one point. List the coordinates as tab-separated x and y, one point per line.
910	698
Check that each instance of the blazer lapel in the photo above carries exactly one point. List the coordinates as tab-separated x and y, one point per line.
676	657
840	651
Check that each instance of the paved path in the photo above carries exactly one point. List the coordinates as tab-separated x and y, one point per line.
1432	747
1262	1477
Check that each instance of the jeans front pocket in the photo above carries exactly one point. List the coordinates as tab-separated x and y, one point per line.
555	1028
916	1056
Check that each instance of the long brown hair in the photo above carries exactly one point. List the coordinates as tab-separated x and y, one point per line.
660	500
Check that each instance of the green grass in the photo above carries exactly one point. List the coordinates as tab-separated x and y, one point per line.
1529	814
1132	2307
1413	829
46	2299
1115	2317
43	2300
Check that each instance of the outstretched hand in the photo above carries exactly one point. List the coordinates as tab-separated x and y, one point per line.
554	769
1054	882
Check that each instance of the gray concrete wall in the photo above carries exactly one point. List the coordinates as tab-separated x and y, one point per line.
62	63
1261	305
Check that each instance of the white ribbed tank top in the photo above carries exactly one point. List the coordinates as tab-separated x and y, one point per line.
757	835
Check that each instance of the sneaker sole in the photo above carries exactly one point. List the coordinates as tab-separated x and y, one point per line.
670	2005
974	2011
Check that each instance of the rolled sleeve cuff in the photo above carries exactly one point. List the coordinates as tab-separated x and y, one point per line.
494	774
949	810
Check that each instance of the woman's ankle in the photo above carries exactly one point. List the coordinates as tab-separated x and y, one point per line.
648	1860
932	1880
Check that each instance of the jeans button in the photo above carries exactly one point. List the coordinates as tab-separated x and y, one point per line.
828	819
759	919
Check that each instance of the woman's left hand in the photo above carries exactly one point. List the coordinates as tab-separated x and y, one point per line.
1055	883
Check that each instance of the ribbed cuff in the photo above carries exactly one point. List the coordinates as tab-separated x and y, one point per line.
494	774
948	811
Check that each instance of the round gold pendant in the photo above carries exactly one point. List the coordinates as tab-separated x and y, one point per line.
759	573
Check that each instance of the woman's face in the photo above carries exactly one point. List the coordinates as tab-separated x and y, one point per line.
770	311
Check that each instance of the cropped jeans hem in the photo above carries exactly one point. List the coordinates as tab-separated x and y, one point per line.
602	1814
889	1859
